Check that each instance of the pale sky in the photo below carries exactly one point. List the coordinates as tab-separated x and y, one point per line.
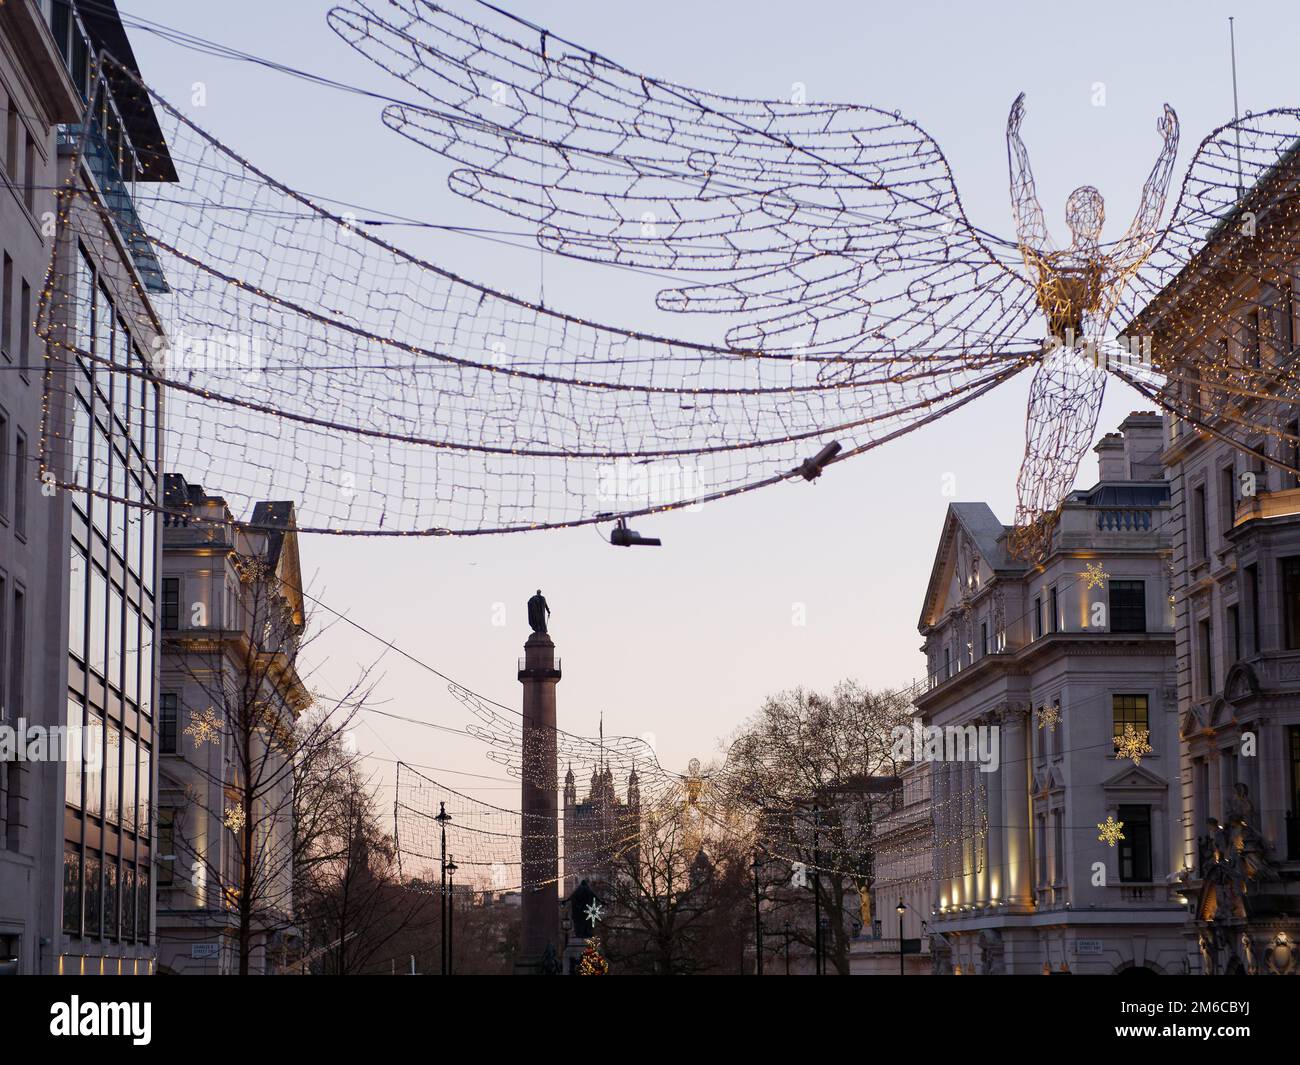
684	641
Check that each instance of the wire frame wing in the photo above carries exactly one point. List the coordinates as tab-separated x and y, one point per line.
310	360
822	229
1212	317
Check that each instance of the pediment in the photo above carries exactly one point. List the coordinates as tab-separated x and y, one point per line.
1191	723
1241	683
1132	777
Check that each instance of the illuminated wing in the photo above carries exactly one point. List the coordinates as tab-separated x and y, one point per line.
1216	301
828	230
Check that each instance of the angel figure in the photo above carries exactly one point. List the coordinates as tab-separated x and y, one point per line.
1078	288
858	301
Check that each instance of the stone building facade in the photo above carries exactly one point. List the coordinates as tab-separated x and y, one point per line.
1035	672
1236	566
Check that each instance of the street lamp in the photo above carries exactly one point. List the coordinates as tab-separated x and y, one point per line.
451	909
442	819
901	908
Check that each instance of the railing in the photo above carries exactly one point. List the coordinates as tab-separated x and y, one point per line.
523	665
1126	519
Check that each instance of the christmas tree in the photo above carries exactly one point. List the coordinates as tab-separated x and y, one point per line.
593	962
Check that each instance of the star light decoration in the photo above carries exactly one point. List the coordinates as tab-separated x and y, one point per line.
1093	576
1111	831
594	912
1049	717
1133	744
204	727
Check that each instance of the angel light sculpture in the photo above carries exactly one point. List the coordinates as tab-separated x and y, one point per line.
825	232
391	396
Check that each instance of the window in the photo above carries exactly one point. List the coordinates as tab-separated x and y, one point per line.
167	727
1128	606
18	654
111	897
11	141
21	481
1234	627
74	757
144	791
984	638
94	895
77	603
1038	616
1129	710
1252	597
1291	602
4	465
1058	848
112	773
947	663
1206	644
171	603
142	905
98	605
71	890
1227	498
166	846
25	327
1135	847
1291	455
7	308
1293	814
1198	523
130	803
1055	620
94	748
128	901
29	175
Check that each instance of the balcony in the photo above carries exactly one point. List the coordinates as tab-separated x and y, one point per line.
102	162
1267	505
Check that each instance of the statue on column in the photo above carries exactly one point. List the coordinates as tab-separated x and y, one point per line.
538	612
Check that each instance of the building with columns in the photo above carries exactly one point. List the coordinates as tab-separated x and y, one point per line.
1236	567
1048	665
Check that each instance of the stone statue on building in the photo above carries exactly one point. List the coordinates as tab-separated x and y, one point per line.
538	612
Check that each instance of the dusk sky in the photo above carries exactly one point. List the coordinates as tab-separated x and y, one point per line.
684	641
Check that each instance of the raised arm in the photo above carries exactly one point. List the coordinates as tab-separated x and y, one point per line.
1031	228
1136	244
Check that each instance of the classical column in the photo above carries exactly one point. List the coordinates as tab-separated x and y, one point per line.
1019	888
539	847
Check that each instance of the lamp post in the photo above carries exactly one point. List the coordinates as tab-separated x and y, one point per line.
901	908
451	909
442	819
758	919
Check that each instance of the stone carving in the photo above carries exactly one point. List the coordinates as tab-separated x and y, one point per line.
1280	956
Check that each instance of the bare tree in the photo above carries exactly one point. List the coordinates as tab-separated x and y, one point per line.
676	903
257	780
816	770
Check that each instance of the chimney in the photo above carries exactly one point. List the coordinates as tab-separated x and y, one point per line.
1144	435
1110	458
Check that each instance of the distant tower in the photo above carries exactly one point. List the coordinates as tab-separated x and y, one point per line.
539	672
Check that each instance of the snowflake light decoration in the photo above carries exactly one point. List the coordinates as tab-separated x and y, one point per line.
1133	744
594	912
204	727
1111	831
1049	717
1093	576
234	818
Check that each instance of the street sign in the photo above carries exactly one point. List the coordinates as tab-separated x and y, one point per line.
1087	946
204	951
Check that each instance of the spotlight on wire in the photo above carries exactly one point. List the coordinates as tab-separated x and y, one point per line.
622	536
811	469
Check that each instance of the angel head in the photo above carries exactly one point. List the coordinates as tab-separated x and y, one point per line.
1085	214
